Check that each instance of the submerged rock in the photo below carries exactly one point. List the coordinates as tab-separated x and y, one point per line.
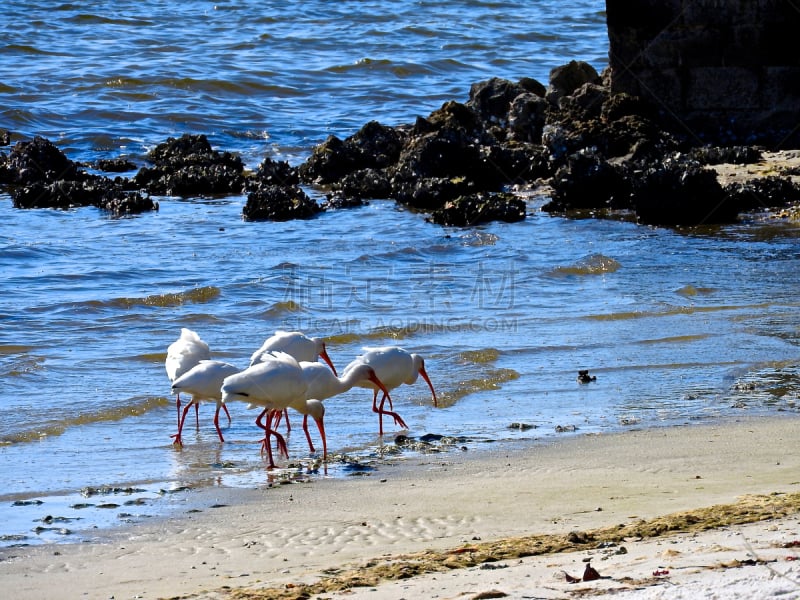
480	208
188	166
279	203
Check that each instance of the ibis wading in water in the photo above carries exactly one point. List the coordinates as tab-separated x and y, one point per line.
182	355
323	384
394	367
274	384
295	344
203	382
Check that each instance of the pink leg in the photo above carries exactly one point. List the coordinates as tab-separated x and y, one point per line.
321	427
308	435
398	420
197	415
177	436
216	420
178	407
225	408
377	410
280	442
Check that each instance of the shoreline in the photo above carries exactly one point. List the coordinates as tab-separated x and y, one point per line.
245	542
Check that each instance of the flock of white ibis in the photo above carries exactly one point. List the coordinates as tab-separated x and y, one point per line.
285	373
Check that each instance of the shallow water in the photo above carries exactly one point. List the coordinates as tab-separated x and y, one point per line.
677	326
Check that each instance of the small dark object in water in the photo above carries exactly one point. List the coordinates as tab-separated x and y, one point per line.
521	426
584	377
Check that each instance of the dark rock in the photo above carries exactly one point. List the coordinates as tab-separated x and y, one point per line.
275	172
617	106
430	193
526	118
121	203
379	146
5	137
763	193
114	165
457	118
480	208
492	99
533	86
329	161
189	166
374	146
444	153
681	193
564	80
187	149
587	101
587	181
737	155
90	191
366	183
41	176
279	203
39	161
516	163
337	201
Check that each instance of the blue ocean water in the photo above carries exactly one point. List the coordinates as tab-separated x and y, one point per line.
678	326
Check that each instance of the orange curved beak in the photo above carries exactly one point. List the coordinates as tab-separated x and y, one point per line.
327	359
428	381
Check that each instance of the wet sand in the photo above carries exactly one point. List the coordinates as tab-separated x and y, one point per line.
677	499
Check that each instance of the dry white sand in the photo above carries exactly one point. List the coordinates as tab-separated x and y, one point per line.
283	536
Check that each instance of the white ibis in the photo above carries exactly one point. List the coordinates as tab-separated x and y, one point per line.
274	384
203	382
183	354
322	384
295	344
394	367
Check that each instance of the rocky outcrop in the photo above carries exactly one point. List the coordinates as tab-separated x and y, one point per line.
279	203
596	150
188	166
38	175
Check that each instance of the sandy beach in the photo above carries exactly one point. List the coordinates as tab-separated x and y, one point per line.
684	512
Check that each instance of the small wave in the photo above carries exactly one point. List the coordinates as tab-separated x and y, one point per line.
594	264
85	19
487	355
690	290
676	339
134	407
283	308
381	65
6	349
26	49
196	296
150	357
673	311
491	379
